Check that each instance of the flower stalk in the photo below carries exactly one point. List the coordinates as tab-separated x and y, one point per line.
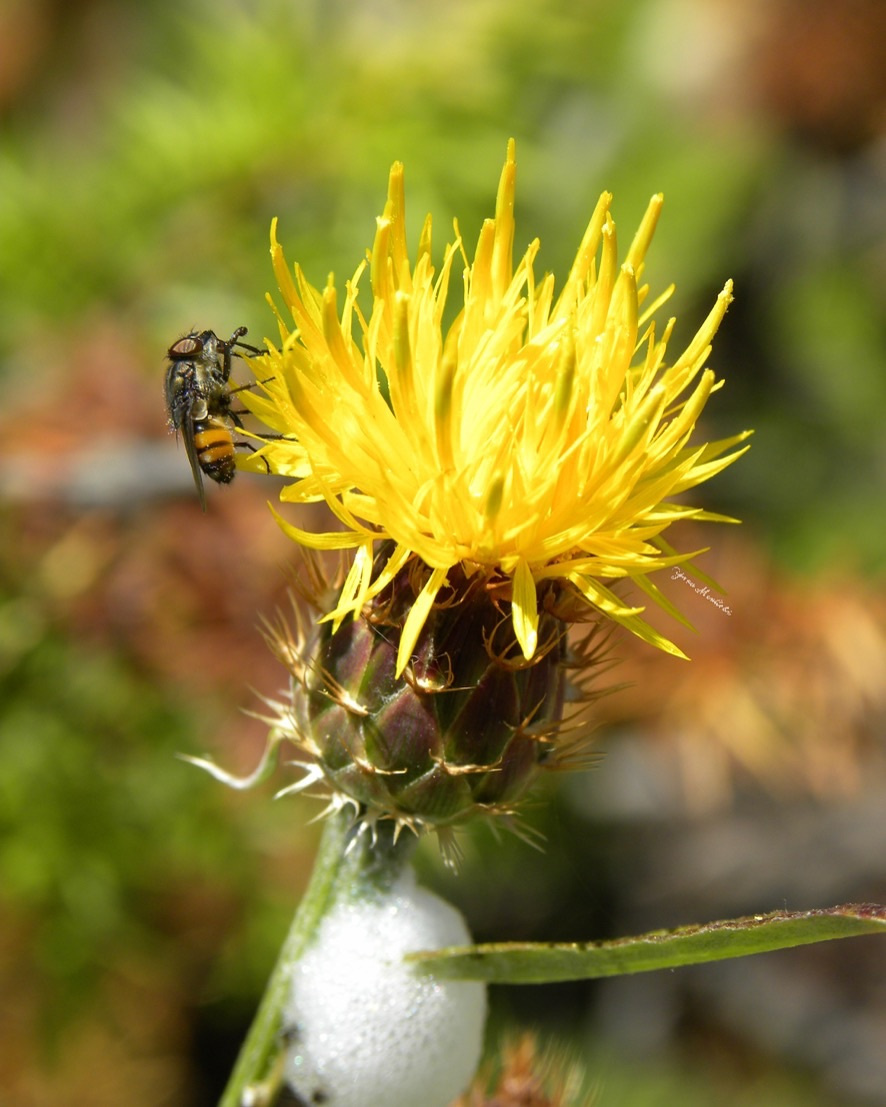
338	873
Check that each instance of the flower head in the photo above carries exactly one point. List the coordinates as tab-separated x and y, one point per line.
537	439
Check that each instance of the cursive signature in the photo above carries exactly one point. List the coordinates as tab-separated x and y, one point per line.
702	590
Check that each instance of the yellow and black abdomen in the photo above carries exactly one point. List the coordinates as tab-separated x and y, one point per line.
214	445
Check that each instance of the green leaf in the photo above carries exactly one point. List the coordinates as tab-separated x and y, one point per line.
544	963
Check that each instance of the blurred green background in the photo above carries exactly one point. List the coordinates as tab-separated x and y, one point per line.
143	152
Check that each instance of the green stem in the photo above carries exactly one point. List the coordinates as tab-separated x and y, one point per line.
368	866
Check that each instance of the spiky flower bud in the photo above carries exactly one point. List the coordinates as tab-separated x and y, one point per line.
464	729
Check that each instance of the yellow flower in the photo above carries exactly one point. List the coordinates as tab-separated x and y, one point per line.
536	438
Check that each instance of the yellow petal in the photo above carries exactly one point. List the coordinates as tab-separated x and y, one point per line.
525	609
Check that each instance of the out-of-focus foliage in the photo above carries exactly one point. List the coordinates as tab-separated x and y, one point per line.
149	190
554	1075
222	115
144	149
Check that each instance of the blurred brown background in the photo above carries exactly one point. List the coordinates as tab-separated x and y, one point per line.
144	149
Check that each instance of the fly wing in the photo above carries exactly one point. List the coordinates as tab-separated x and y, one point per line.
187	430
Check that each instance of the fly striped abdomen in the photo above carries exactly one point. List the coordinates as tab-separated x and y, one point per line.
214	444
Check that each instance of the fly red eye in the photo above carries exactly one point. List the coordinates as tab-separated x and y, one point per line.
186	347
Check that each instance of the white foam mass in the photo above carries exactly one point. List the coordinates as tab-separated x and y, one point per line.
364	1029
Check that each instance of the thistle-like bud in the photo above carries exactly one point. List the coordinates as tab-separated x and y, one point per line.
464	729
